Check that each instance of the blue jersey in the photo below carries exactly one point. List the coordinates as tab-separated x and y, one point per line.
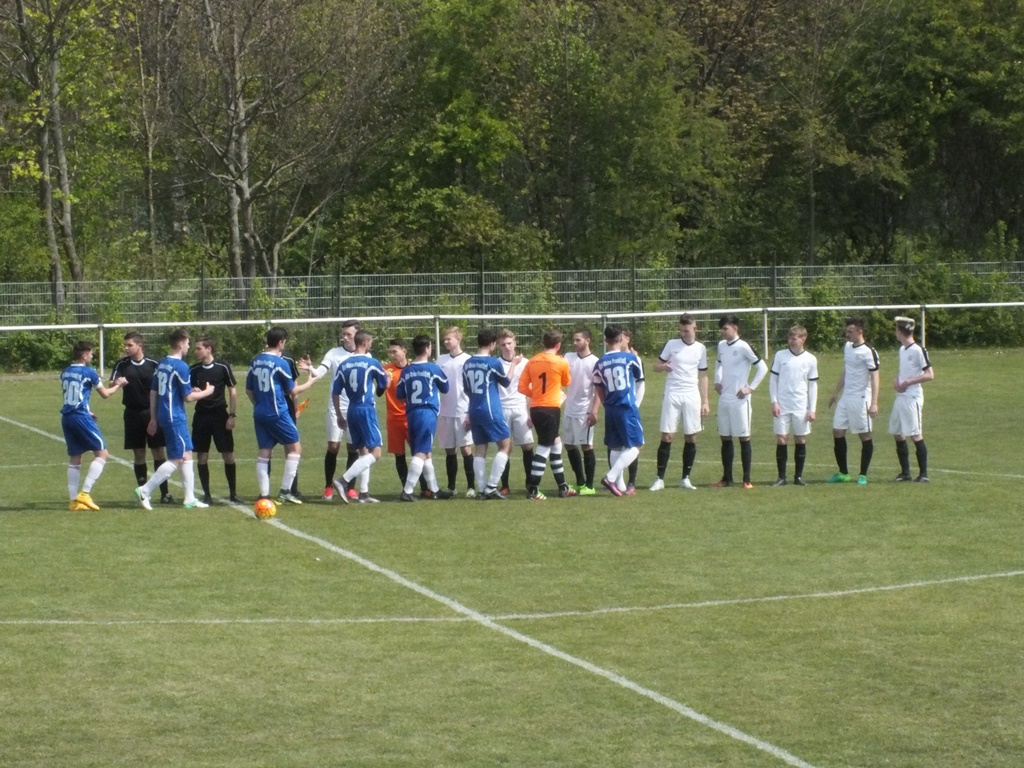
362	378
77	381
172	383
617	373
481	376
270	380
421	386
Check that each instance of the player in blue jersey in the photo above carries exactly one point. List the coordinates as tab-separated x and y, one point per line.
269	385
618	383
481	376
81	433
421	385
170	390
362	379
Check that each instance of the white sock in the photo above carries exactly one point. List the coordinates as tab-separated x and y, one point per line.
263	475
497	469
74	473
613	457
480	471
291	468
362	463
622	464
415	470
95	470
163	472
363	481
430	474
188	480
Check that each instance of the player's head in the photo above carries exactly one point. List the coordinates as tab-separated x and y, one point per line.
904	327
276	337
206	347
687	328
397	351
82	351
613	336
729	326
134	345
507	343
797	338
552	338
855	329
421	345
452	338
362	340
348	334
581	339
178	339
486	338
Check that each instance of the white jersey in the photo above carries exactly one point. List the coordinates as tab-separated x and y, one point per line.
794	381
511	397
329	365
579	395
732	369
913	362
859	362
455	402
687	360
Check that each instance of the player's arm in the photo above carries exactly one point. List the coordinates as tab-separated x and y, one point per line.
812	399
525	384
598	400
840	385
760	371
152	426
773	391
115	385
873	408
718	375
702	386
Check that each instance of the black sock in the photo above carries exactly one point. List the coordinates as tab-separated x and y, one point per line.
295	484
351	457
230	473
527	463
140	473
922	458
781	457
451	466
903	455
664	453
746	459
204	478
402	466
632	470
557	469
801	457
467	467
728	454
506	474
536	470
164	488
839	448
589	466
330	468
689	458
867	448
576	462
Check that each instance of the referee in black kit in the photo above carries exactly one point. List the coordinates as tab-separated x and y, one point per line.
214	419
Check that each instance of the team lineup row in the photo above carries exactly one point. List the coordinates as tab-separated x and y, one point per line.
466	402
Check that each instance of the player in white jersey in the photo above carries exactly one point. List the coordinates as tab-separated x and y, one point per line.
577	431
515	406
734	387
329	368
905	421
452	431
858	405
794	391
686	398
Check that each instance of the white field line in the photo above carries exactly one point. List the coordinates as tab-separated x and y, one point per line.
479	618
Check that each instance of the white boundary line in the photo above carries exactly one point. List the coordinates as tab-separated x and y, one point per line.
479	618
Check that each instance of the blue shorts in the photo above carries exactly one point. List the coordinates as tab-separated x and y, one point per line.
277	430
490	432
422	426
81	433
176	439
622	428
363	427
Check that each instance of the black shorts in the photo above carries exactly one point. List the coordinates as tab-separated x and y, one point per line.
547	422
207	425
135	435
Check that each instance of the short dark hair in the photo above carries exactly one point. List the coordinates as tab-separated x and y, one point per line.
136	337
729	319
207	341
421	343
612	333
275	336
177	336
351	324
552	338
686	319
362	337
80	348
584	332
397	343
485	337
857	322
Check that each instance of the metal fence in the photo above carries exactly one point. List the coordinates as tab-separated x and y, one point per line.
200	299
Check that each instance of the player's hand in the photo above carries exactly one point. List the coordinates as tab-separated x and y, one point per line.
342	424
229	425
811	416
744	391
591	419
120	381
305	364
831	401
873	411
151	427
705	409
776	410
718	388
466	425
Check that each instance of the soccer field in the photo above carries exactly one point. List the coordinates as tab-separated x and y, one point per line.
822	626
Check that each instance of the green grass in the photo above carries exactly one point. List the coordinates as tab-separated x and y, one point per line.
205	638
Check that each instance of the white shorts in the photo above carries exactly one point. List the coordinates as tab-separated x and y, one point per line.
518	420
576	431
334	432
906	417
795	423
852	414
452	432
734	418
684	407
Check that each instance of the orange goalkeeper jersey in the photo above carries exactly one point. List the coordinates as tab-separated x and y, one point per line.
543	378
395	407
